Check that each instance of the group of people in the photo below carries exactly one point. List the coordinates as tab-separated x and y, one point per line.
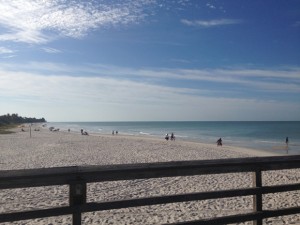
172	137
113	132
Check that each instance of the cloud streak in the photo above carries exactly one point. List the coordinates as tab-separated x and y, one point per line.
4	50
210	23
51	50
98	91
99	97
285	80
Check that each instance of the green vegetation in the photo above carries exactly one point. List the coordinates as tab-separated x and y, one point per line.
10	121
4	129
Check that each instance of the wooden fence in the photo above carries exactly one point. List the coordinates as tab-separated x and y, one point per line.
78	177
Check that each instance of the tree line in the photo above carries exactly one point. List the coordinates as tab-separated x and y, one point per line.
16	119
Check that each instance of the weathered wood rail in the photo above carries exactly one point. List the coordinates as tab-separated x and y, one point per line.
78	177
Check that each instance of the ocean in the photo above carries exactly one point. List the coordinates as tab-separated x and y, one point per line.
269	136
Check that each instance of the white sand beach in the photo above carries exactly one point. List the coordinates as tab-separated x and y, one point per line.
56	149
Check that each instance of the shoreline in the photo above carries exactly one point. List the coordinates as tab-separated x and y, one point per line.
73	143
240	149
259	135
261	145
248	151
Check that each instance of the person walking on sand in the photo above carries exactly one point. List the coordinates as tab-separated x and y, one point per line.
172	137
287	140
219	142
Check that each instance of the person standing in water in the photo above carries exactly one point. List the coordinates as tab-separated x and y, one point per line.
287	145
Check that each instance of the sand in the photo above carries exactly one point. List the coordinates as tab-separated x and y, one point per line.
52	149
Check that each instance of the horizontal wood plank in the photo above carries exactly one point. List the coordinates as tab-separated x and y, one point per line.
86	174
67	175
34	214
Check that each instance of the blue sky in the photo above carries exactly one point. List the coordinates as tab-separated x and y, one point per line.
116	60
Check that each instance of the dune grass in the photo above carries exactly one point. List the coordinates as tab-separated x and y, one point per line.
5	129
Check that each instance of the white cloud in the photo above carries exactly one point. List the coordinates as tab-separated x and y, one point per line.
4	50
211	6
210	23
32	21
8	56
51	50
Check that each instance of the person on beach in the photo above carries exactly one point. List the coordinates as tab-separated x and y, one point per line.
85	133
113	132
219	142
287	145
172	137
167	137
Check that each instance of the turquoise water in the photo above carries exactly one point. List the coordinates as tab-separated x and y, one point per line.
268	136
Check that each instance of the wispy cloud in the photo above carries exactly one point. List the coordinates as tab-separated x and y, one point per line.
283	80
210	23
210	5
39	21
8	56
99	91
180	61
4	50
51	50
296	24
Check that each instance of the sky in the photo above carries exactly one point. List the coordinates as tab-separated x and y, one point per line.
150	60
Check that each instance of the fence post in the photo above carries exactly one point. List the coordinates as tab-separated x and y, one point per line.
77	198
257	199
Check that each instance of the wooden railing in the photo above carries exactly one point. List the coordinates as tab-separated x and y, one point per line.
78	177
